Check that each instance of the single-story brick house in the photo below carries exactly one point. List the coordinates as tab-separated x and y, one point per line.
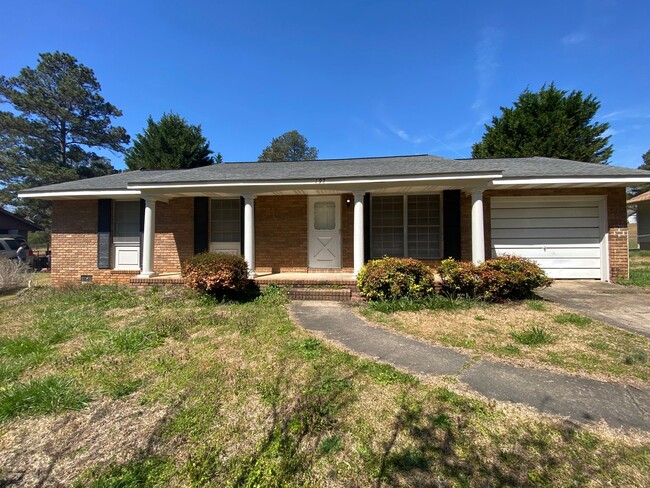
333	215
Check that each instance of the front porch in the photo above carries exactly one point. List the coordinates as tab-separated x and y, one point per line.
335	231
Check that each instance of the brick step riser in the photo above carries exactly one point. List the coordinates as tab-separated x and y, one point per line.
300	292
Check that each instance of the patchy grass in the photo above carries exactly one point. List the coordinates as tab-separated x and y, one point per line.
572	318
182	391
562	340
40	396
639	269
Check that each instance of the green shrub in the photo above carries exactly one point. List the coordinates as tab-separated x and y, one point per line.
218	274
395	278
503	278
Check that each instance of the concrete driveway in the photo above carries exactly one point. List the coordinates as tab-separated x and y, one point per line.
627	307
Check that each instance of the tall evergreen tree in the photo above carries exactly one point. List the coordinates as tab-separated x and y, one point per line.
170	143
290	146
552	123
58	116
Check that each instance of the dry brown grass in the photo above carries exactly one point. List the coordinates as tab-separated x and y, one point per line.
240	400
56	450
595	350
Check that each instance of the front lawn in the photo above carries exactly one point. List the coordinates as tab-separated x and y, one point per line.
532	333
105	386
639	269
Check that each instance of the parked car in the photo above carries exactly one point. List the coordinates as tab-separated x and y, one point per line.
9	245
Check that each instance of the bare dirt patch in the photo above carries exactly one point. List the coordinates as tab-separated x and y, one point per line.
51	451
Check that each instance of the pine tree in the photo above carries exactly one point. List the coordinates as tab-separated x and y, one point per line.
170	143
551	123
58	117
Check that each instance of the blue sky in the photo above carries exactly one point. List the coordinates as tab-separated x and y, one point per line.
357	78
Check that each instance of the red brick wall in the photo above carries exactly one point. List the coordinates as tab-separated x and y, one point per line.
281	233
174	234
74	241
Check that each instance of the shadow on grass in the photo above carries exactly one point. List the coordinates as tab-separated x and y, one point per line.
437	448
291	444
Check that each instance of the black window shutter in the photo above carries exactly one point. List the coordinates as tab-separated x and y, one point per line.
242	202
451	223
366	227
201	224
104	208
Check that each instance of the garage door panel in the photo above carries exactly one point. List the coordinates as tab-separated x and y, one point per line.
560	242
562	234
573	273
550	252
578	263
532	213
554	233
565	222
525	202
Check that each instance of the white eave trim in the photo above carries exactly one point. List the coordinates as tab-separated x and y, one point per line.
80	193
573	181
315	182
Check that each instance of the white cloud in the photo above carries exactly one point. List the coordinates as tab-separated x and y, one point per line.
626	115
487	51
574	38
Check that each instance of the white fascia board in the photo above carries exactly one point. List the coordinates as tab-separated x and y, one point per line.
316	182
573	181
54	195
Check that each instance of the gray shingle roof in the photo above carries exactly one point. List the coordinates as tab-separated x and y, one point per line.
517	168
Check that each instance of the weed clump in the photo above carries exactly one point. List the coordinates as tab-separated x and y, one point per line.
533	336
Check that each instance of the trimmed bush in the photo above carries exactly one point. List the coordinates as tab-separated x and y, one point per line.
218	274
395	278
503	278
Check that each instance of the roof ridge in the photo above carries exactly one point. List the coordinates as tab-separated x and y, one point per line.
333	159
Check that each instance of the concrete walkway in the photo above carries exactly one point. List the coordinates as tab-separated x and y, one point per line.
577	398
627	307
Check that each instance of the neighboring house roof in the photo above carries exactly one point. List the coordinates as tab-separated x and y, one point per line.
13	221
643	197
502	172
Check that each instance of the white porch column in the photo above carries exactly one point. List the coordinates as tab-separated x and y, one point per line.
148	238
249	233
478	234
358	232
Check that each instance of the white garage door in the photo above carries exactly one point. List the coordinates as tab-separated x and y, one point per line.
563	235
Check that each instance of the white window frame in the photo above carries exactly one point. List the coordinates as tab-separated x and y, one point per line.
405	222
125	255
233	247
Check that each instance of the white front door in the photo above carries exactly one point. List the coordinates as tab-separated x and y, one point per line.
325	232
